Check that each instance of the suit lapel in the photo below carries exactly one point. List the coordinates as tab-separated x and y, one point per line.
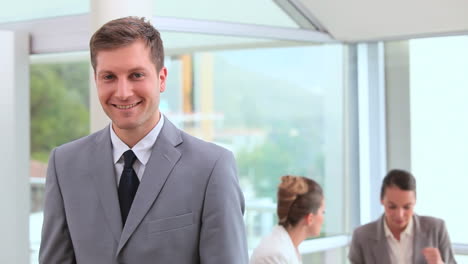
102	169
380	248
420	241
163	158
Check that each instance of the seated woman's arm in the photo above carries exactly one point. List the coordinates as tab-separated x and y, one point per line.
272	259
445	246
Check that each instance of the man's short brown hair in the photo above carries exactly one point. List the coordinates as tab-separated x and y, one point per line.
125	31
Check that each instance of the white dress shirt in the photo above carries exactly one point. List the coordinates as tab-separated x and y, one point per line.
142	150
276	248
401	252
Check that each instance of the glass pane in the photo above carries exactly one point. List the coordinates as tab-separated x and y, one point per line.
59	114
278	109
439	123
32	9
240	11
461	259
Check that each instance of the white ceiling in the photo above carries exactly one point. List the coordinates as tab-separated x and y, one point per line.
265	23
367	20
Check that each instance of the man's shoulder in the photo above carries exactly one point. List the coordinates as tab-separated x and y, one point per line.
203	147
189	142
80	143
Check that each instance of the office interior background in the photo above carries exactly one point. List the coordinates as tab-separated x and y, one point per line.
339	91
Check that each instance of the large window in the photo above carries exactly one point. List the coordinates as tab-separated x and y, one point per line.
59	114
280	110
439	125
438	88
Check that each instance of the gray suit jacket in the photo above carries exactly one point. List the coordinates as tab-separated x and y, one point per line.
188	207
369	244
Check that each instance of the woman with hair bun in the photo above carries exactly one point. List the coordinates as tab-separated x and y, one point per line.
300	213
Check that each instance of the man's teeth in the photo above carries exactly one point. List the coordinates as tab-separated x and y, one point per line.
126	106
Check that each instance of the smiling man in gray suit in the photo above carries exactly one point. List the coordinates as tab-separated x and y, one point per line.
140	190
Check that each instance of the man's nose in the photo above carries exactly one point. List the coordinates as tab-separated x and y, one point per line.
124	89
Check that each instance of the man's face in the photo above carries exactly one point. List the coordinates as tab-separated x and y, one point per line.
399	205
129	87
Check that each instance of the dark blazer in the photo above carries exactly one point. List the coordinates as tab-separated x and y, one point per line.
369	244
188	207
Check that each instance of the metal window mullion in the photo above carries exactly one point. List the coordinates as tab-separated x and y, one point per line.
72	33
372	127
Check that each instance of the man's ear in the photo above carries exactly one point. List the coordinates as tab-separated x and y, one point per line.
162	76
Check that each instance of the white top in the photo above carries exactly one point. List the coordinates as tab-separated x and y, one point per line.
276	248
142	150
401	252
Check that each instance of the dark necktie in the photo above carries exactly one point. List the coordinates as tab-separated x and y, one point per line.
128	185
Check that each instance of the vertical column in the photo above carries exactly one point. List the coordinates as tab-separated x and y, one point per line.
15	148
397	72
206	96
372	125
351	139
187	84
101	12
333	151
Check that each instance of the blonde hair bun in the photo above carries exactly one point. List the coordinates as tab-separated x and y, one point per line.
293	184
297	197
288	190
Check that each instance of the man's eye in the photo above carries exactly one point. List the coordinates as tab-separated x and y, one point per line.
137	75
108	77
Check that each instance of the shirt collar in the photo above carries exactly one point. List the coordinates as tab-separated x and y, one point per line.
408	230
142	149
